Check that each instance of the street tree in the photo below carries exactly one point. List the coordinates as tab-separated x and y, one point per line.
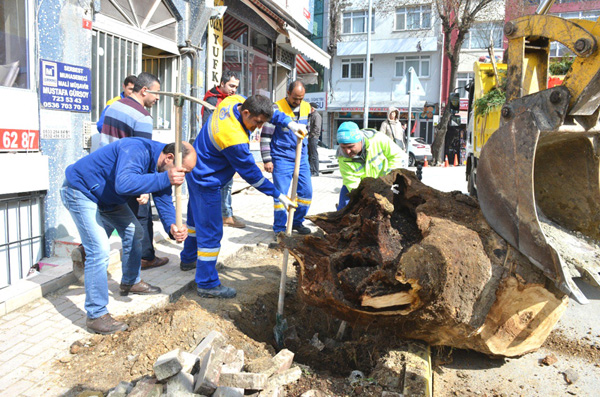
456	18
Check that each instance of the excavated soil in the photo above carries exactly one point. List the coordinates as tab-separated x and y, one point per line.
101	362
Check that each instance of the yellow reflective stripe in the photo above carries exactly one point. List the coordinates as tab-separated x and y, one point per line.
192	231
303	201
279	206
209	252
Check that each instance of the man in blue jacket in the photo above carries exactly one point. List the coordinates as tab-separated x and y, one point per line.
223	149
95	192
278	151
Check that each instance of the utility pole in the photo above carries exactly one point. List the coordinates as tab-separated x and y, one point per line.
368	67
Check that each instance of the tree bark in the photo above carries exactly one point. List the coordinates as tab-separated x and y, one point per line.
427	264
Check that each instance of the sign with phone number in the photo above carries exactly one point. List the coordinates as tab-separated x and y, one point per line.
19	140
65	87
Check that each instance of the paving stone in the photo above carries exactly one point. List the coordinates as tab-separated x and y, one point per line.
18	388
283	360
147	387
236	364
286	377
182	383
122	389
272	391
246	380
213	339
223	391
207	380
191	363
269	366
14	350
168	364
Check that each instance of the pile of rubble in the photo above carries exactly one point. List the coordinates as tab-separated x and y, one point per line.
214	368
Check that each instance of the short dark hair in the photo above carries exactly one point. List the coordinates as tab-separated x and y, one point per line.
314	105
170	149
131	79
228	75
293	85
258	105
144	80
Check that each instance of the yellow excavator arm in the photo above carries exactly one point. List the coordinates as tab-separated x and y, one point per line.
538	175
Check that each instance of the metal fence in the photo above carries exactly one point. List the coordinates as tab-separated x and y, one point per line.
21	235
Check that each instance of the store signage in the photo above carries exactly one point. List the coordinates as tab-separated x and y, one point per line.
19	140
65	87
214	55
87	24
300	10
317	97
464	104
55	125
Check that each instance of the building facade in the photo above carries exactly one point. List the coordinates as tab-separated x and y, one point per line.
401	38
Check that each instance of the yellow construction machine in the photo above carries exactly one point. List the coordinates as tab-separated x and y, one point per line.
538	174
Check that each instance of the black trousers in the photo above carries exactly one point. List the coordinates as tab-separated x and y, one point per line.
143	213
313	156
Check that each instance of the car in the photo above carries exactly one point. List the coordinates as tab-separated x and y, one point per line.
418	150
328	162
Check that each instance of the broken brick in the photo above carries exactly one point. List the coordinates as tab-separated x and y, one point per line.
147	387
234	365
246	380
181	383
168	364
213	339
223	391
207	379
288	376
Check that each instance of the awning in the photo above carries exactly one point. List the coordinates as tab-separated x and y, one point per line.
307	47
388	46
305	72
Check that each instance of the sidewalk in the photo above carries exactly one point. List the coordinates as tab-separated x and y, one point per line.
33	337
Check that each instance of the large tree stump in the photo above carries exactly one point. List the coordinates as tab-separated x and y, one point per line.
427	264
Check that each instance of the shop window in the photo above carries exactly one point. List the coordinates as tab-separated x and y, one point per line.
113	59
419	63
261	43
235	29
235	58
413	18
482	34
21	235
165	68
14	52
355	68
356	22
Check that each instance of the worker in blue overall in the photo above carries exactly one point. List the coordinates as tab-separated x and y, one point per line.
278	151
223	148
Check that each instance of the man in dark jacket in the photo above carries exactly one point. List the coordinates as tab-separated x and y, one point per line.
96	190
315	125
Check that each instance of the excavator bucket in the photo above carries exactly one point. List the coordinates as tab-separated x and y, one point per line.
544	206
538	178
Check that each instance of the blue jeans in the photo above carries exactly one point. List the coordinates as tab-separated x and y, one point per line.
283	172
92	223
226	210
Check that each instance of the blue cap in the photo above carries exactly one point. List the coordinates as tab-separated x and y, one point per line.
348	132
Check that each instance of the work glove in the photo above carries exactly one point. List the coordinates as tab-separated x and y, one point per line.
298	129
287	203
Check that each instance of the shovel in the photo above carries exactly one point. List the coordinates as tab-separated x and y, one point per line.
178	102
281	323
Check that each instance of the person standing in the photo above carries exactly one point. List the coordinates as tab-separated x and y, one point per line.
315	125
228	86
128	85
223	149
125	118
393	128
278	151
361	154
95	192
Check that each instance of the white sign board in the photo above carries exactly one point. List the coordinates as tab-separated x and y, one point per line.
317	97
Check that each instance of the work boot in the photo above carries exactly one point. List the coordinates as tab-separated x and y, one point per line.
141	288
105	325
185	266
78	258
301	229
232	221
156	262
220	291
